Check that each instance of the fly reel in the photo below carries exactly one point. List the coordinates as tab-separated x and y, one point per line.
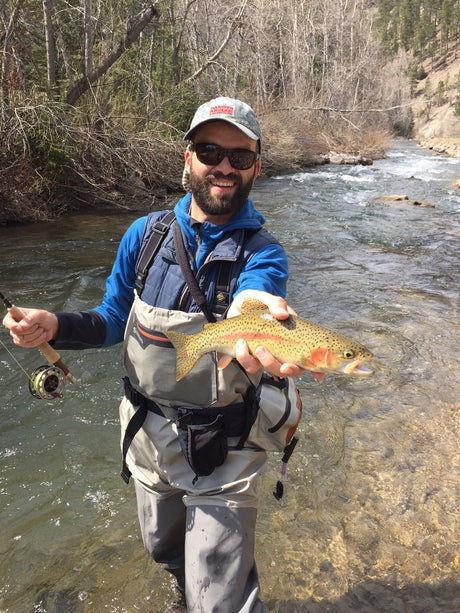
47	382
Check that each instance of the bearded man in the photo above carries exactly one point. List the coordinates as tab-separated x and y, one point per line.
196	502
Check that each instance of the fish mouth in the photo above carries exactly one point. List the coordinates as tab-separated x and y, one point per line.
355	368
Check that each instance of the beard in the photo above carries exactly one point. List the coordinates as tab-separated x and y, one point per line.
224	204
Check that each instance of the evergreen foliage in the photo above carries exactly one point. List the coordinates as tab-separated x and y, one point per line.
457	102
421	26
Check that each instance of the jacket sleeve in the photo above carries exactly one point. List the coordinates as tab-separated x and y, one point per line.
105	324
267	270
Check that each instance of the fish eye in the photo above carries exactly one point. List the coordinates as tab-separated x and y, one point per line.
349	353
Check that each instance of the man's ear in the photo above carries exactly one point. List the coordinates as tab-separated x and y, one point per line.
188	156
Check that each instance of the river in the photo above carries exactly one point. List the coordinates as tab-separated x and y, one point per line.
370	517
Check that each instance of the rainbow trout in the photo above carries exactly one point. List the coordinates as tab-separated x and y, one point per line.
294	340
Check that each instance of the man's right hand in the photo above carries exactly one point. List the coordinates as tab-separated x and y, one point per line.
35	328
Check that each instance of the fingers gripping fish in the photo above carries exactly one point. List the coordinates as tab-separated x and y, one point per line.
293	340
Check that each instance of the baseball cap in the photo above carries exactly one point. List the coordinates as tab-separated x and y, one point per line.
232	111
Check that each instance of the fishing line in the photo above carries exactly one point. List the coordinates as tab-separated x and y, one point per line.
17	361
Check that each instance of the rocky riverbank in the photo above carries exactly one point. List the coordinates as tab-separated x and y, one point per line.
443	146
436	125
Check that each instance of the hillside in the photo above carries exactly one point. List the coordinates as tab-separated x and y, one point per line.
434	121
427	33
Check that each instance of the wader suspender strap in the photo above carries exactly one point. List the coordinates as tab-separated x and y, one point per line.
159	231
189	277
144	405
133	427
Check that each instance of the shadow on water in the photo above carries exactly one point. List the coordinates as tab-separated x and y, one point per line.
375	597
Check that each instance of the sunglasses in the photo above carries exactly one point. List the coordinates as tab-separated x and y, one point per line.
212	155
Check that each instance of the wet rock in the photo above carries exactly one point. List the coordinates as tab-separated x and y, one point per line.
405	199
395	198
450	147
361	530
326	566
352	160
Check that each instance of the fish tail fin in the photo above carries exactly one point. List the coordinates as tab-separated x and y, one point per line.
186	357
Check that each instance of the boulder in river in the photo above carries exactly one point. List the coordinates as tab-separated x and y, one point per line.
352	160
405	200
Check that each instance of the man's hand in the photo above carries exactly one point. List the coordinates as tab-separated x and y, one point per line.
279	308
35	328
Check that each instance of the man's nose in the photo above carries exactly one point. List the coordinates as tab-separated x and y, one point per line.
225	166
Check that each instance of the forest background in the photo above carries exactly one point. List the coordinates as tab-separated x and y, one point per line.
95	96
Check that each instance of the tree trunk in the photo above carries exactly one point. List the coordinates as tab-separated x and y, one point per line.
60	41
236	23
132	35
6	60
49	42
88	44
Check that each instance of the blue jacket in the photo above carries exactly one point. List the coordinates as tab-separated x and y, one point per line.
267	270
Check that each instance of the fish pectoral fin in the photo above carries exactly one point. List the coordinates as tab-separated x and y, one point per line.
318	376
224	360
311	366
321	356
252	304
308	364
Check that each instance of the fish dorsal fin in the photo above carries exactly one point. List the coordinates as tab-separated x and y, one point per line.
252	304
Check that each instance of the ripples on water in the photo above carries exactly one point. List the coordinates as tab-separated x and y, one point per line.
369	521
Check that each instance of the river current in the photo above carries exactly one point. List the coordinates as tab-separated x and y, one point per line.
370	517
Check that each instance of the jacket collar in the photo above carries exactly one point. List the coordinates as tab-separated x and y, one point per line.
210	234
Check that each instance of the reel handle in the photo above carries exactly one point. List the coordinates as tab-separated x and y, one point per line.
50	354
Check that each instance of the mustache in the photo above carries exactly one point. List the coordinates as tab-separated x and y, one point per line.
220	175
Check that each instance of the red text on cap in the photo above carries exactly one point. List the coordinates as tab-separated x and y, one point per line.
221	109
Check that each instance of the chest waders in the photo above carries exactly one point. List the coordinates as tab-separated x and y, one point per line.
208	406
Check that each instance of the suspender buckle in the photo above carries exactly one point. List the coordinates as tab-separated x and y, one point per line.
160	227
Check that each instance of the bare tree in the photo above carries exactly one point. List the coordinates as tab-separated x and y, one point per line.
235	23
60	40
49	42
88	38
9	26
132	34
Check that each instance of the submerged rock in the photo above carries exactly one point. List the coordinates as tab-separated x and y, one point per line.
405	199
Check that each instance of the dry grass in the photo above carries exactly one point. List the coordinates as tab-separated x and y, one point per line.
289	142
368	142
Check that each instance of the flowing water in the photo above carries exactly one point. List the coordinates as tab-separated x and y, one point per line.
369	520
